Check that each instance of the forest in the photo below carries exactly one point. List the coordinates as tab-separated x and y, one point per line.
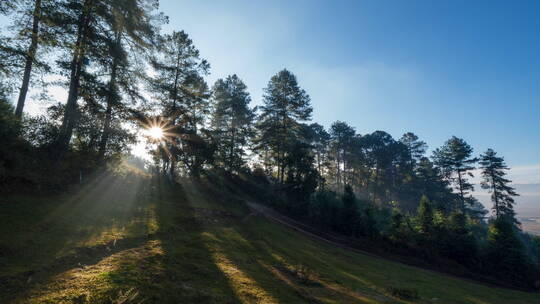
127	80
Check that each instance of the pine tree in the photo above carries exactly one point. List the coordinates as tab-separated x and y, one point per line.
456	162
30	56
380	155
506	256
231	122
285	106
430	182
321	141
133	29
84	25
34	30
182	93
502	195
415	147
341	136
302	176
425	215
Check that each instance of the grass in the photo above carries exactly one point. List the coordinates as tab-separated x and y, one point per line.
133	240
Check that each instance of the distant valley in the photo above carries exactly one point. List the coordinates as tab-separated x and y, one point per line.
527	205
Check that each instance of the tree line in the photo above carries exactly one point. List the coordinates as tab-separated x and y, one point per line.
121	74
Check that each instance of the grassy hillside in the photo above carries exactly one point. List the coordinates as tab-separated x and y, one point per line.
131	240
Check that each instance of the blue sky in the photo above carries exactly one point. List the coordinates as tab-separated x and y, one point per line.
437	68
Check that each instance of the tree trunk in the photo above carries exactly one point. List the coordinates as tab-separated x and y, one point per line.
29	60
231	148
110	101
106	131
70	114
495	195
462	207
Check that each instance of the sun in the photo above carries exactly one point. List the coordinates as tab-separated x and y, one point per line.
155	133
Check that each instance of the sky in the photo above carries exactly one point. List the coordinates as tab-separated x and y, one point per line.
436	68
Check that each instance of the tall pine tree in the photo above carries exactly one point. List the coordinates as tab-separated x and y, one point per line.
231	121
182	96
456	162
133	29
85	25
502	195
285	106
341	135
34	28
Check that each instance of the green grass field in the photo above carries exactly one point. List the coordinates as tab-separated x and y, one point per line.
134	240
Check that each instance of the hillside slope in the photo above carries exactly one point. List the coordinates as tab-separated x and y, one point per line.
131	240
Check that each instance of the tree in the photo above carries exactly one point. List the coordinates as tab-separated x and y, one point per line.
83	24
34	28
502	195
460	243
349	212
430	182
456	162
341	136
132	32
30	56
302	177
231	122
506	255
425	216
182	93
9	131
285	106
415	147
321	140
380	152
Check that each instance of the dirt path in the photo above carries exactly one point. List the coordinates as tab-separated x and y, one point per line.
342	242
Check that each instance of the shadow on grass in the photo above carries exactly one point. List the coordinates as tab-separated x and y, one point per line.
296	273
50	235
181	270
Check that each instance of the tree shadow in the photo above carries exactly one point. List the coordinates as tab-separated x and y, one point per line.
96	220
183	270
299	274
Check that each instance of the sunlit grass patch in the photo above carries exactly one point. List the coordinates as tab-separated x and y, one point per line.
99	283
